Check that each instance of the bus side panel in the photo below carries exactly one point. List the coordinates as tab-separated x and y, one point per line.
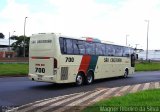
106	68
101	68
68	69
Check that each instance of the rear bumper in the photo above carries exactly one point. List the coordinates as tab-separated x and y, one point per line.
42	78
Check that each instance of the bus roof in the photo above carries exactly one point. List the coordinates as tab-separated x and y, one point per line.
90	39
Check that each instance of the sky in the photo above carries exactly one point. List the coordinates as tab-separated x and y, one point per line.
108	20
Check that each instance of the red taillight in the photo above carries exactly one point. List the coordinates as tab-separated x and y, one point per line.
40	57
55	63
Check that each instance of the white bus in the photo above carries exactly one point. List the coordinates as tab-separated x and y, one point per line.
60	59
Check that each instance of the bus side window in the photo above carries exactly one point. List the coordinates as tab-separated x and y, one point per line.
103	49
75	47
69	46
118	51
90	48
111	50
81	46
126	52
98	49
107	50
62	45
123	51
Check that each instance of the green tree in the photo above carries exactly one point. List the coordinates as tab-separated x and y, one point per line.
14	37
18	46
1	36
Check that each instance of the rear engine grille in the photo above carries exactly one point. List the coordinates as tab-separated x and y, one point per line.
64	73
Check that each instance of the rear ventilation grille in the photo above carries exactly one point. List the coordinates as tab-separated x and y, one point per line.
64	73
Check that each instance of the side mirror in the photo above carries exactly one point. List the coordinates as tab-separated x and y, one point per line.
136	56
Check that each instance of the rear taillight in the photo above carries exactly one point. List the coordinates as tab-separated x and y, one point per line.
55	63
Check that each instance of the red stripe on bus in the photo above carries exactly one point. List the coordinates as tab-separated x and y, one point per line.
85	63
40	57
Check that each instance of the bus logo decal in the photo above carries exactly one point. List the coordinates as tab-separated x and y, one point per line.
85	63
93	63
88	63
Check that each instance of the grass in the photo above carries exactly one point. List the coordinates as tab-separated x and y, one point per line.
13	69
146	100
22	69
146	66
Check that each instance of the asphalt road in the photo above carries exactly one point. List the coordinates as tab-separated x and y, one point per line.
18	91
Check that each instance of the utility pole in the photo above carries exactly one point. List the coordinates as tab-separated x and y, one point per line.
24	37
9	41
147	38
127	39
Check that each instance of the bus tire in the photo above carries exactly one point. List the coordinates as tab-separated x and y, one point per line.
125	73
79	79
89	78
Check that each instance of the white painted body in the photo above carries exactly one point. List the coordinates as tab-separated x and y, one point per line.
42	55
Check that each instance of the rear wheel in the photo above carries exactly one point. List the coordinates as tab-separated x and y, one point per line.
89	78
79	79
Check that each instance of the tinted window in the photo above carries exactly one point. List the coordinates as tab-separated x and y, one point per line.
66	45
90	48
61	45
100	49
110	50
69	46
81	46
131	50
126	51
75	47
118	51
103	47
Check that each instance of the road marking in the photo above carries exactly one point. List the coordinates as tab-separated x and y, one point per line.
122	90
79	101
35	104
135	88
106	94
61	102
146	86
110	91
41	104
86	98
99	97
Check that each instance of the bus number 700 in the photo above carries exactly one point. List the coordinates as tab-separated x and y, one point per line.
40	70
69	59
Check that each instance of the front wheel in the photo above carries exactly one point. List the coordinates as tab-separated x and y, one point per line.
79	79
125	74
